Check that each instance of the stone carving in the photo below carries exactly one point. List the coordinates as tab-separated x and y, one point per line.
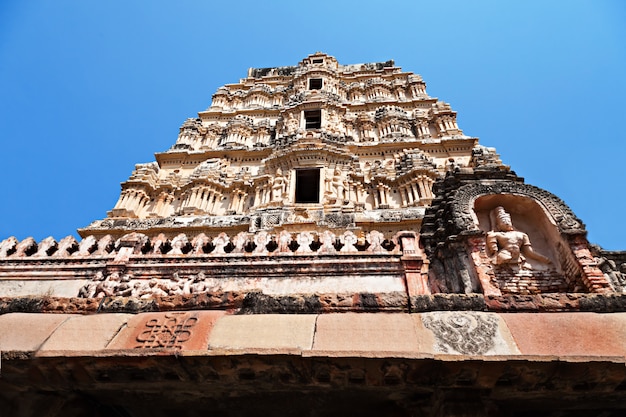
198	284
338	187
105	246
160	244
261	240
240	241
46	247
509	246
327	241
461	203
304	240
137	242
89	290
375	240
139	245
220	243
198	243
357	168
112	285
179	244
86	246
171	331
465	333
7	247
339	220
284	240
66	247
349	239
615	274
26	247
278	186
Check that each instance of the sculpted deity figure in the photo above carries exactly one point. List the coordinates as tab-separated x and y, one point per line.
507	245
198	285
292	124
278	187
338	185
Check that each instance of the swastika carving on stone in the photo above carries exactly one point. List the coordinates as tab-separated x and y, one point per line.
171	331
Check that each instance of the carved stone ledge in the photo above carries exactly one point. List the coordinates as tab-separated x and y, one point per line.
258	303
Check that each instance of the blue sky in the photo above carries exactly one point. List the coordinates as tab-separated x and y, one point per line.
88	89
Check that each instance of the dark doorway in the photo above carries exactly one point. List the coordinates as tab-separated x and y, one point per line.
313	119
315	84
308	185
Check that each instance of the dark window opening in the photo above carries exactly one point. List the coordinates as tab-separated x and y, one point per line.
308	185
313	119
315	84
318	61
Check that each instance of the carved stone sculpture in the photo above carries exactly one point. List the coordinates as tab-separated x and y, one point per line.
507	245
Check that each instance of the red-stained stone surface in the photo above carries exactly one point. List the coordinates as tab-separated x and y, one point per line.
27	332
187	330
84	333
568	334
354	332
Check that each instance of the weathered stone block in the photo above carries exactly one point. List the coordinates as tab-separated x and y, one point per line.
188	330
27	332
568	334
264	331
83	333
362	332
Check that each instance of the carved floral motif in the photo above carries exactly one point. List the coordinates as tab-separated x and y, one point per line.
467	333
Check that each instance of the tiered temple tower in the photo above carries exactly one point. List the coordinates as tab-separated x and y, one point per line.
322	240
312	147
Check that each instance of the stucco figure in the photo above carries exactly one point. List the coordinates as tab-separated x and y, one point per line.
507	245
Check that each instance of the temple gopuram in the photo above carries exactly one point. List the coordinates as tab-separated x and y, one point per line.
323	240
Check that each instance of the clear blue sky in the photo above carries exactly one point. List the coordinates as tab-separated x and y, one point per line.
89	88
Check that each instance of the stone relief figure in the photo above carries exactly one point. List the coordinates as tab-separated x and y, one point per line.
304	239
240	241
292	124
615	274
220	242
261	240
89	290
338	185
198	285
508	246
113	285
327	240
278	187
284	240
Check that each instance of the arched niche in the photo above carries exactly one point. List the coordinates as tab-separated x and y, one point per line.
463	203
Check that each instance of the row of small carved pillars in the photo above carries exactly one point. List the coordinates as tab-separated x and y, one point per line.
366	133
268	99
204	199
261	243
